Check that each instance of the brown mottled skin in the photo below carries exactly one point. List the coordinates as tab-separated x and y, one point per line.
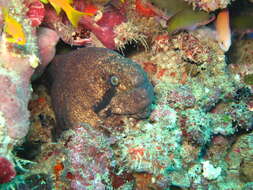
82	83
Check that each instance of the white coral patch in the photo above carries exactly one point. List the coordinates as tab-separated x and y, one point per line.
209	171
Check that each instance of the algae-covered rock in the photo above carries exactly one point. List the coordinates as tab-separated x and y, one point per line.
241	157
241	57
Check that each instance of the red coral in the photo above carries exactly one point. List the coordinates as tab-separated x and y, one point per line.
144	9
7	170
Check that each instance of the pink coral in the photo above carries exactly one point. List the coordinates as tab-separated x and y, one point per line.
15	93
88	156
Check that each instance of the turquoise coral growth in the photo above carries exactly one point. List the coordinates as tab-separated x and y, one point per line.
152	147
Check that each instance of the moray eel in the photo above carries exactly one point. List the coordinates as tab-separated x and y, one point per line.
97	86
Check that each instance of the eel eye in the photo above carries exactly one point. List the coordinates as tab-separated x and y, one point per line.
114	80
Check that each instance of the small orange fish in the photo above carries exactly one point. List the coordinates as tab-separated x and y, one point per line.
73	15
13	29
223	29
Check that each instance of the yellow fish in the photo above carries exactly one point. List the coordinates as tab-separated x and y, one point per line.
72	14
13	28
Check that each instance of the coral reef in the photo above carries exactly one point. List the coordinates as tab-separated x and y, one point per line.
240	159
210	5
88	158
187	70
174	111
145	146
